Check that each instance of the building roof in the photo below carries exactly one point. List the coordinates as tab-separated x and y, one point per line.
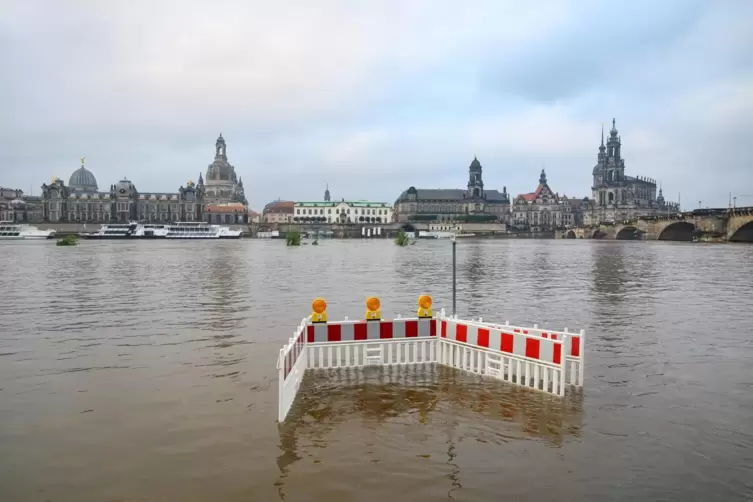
530	197
450	194
83	180
227	208
352	203
279	206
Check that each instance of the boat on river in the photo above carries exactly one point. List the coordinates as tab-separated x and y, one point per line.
174	230
20	231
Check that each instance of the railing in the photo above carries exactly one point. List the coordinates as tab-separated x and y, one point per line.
544	360
291	365
573	343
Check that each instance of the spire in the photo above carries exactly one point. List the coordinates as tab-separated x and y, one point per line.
326	193
220	149
602	134
542	178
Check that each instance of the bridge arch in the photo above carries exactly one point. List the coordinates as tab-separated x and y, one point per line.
678	231
570	234
628	233
408	228
743	234
598	234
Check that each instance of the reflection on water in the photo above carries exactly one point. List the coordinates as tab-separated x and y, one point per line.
146	371
429	407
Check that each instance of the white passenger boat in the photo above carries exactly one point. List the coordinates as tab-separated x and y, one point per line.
200	230
174	230
13	230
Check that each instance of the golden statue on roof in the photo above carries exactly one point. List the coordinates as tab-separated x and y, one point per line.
82	161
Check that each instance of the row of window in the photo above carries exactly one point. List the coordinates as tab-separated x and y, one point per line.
454	208
364	211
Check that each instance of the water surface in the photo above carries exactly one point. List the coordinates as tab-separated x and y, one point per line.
146	371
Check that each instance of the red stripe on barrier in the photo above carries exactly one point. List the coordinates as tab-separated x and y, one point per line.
557	353
483	338
411	329
516	331
385	330
444	329
461	333
334	332
360	331
575	346
433	327
545	335
507	343
533	346
310	334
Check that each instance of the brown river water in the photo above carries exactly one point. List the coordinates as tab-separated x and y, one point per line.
145	371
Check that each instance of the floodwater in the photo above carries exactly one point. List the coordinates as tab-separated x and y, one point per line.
145	371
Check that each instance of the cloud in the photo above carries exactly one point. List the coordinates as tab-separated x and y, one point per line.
373	97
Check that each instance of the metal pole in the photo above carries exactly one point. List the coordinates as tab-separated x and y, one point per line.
454	277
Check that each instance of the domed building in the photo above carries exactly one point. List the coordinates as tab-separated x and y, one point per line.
81	201
83	181
222	184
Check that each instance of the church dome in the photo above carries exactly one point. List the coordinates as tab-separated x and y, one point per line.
83	180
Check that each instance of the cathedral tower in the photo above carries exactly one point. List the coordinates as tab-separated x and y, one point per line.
475	180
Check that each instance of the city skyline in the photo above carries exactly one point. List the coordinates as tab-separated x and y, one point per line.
374	98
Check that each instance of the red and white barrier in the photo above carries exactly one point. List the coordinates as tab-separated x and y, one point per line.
291	366
573	347
544	360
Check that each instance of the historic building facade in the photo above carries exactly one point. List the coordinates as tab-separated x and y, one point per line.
82	201
231	213
343	212
542	209
616	196
474	204
15	206
278	211
222	184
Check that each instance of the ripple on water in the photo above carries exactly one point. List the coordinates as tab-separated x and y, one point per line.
162	355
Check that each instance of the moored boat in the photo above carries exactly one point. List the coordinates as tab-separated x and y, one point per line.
18	231
174	230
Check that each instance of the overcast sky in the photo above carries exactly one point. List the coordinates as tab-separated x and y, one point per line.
373	97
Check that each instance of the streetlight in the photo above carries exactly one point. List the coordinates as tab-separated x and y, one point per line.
452	238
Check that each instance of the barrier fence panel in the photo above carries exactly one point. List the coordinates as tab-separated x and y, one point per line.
574	348
352	344
526	360
534	358
291	366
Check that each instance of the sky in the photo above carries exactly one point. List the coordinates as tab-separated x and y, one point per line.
372	97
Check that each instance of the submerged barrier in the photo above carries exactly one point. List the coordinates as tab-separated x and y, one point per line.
544	360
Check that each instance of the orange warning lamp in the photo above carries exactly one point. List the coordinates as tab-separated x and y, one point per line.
372	309
319	307
424	307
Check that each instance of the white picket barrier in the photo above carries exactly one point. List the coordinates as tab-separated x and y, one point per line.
544	360
574	350
291	366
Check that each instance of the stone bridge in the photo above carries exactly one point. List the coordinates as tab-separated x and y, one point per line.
705	225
